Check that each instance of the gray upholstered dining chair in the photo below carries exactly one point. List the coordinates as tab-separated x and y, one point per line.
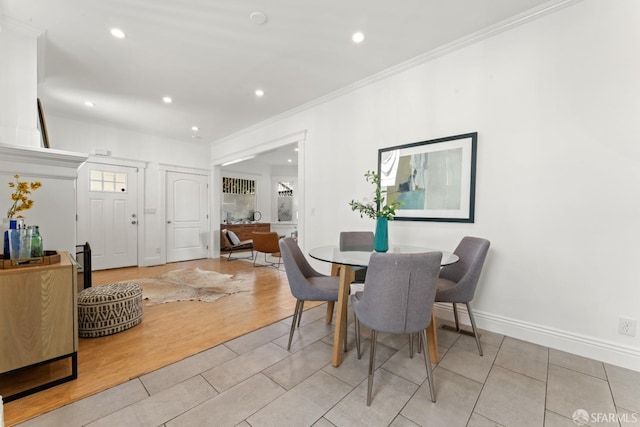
357	241
306	284
457	282
398	298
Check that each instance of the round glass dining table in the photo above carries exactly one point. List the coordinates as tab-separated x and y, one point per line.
334	255
342	264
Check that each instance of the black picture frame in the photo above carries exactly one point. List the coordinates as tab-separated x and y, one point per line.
43	126
434	180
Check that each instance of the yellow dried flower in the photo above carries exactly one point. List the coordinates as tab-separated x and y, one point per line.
21	202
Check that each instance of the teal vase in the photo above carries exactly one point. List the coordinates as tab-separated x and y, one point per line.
381	242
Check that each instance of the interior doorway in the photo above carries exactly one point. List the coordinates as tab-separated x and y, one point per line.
259	152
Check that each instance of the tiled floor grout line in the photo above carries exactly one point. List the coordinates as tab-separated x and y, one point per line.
473	411
546	386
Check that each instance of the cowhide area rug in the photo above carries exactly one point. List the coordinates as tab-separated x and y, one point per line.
190	284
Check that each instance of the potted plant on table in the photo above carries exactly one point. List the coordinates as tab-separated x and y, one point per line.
378	208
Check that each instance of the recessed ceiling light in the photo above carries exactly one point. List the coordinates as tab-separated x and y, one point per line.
89	104
118	33
357	37
259	93
167	99
195	128
258	17
289	160
295	149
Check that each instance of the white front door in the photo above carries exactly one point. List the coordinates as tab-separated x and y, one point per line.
187	216
107	214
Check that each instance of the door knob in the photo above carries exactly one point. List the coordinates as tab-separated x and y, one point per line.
134	222
169	222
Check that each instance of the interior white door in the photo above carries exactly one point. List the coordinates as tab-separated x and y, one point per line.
107	214
187	216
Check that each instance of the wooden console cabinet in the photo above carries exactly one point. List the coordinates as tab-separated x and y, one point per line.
38	319
243	231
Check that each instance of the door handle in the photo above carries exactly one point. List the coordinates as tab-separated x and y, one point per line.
134	222
169	222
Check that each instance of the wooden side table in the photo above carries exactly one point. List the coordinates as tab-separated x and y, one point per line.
38	322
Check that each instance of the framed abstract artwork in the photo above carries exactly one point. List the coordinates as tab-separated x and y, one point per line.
433	180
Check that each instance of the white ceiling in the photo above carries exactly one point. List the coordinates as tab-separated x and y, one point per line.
283	156
210	58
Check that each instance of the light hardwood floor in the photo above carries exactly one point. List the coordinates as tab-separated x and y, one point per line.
168	332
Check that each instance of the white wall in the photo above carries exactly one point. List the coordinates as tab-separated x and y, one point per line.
20	152
555	102
53	203
80	136
18	85
153	155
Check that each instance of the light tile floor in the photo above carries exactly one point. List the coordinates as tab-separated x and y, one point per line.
254	381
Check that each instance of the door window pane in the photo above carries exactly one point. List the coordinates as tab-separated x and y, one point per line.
107	181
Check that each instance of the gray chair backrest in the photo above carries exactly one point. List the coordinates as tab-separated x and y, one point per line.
357	241
399	292
466	272
298	269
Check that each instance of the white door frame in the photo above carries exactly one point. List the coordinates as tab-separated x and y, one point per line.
216	183
114	161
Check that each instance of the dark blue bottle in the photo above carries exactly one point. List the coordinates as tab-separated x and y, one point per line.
12	226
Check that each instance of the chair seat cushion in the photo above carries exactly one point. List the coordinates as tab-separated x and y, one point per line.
244	244
446	291
325	288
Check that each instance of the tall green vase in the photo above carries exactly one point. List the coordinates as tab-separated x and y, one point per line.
381	242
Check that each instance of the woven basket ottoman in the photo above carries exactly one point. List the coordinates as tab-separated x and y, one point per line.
108	309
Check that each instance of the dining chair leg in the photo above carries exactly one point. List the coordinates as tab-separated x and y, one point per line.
344	341
419	343
372	365
410	346
475	331
357	326
300	313
329	314
427	364
455	316
296	314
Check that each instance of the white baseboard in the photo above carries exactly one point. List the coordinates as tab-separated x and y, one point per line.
605	351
